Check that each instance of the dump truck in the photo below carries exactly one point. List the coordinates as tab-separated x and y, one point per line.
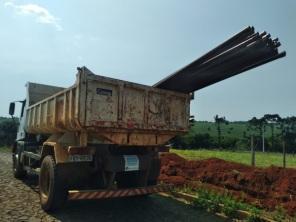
101	137
101	134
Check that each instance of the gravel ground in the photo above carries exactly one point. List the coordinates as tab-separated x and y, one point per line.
19	201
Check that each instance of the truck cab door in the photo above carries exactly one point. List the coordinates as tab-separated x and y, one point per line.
21	134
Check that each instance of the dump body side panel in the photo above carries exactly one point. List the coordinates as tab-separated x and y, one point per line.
54	114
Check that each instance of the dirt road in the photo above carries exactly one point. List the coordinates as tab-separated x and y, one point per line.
19	201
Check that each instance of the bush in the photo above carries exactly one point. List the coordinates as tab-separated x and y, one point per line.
202	141
8	130
229	143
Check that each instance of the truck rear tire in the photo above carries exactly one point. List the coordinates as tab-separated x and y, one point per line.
17	166
52	190
154	172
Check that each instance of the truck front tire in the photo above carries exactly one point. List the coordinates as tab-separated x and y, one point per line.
17	166
53	192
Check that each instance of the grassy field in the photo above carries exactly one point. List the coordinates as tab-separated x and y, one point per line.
262	159
5	149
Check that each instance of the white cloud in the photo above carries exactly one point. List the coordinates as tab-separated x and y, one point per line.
41	14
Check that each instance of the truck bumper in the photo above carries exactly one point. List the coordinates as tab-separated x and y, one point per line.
105	194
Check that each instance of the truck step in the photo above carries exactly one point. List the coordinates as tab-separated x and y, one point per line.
105	194
32	170
32	155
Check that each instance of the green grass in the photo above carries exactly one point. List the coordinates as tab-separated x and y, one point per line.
262	159
225	204
5	149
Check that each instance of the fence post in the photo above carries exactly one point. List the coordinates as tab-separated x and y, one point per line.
284	154
263	140
252	151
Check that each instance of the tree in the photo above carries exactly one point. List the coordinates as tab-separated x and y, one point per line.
288	131
218	122
272	120
257	126
8	129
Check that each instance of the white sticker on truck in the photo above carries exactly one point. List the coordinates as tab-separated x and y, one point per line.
131	162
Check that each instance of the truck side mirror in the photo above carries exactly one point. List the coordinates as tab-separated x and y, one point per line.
11	108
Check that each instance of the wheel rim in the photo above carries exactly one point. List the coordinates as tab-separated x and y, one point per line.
14	161
44	182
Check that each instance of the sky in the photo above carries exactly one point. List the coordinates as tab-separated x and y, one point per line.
143	42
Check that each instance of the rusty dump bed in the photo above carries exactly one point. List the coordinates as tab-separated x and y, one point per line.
111	111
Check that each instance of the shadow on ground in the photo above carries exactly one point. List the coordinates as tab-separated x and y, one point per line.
152	208
149	208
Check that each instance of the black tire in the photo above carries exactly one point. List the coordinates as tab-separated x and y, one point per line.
154	172
52	190
17	166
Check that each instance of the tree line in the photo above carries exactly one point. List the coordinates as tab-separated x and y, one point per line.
8	130
282	130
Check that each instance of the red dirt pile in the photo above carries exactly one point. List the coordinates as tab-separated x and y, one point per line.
267	187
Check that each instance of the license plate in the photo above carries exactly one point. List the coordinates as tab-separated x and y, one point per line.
80	158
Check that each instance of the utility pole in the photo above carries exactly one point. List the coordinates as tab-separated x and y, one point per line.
263	141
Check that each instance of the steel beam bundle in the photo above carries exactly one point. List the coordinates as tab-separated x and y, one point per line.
245	50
